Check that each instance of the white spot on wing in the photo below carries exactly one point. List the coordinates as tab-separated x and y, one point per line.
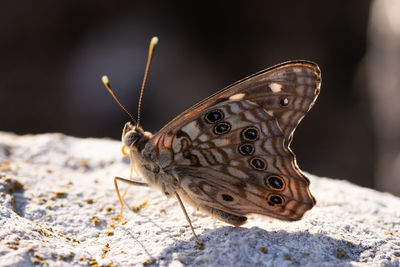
297	69
237	173
235	108
192	129
251	103
203	138
208	189
271	113
275	87
237	96
221	142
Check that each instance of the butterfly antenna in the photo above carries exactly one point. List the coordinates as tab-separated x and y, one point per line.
107	84
153	44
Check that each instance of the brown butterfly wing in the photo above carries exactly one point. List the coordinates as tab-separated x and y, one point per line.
300	83
204	145
219	172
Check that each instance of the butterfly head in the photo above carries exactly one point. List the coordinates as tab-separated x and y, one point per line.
133	136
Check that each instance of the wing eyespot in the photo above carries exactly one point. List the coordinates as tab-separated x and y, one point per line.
250	134
214	116
227	198
246	149
275	200
222	128
284	102
275	182
258	163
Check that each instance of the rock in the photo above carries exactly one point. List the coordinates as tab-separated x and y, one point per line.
58	200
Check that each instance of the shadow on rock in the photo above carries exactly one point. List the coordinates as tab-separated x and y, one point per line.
16	189
238	246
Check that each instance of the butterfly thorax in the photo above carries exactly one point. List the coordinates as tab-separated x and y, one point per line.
136	139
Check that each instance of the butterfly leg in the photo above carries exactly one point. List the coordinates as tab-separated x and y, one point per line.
187	218
131	172
130	182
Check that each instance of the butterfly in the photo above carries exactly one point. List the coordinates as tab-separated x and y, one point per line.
229	155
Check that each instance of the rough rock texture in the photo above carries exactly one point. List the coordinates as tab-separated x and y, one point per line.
58	199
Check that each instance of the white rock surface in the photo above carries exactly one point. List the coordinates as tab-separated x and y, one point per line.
69	180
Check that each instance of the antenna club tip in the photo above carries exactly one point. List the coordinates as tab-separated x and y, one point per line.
105	79
154	40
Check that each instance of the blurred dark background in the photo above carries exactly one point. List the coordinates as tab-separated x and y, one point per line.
53	54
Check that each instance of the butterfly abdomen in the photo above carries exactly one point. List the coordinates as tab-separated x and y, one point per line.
225	216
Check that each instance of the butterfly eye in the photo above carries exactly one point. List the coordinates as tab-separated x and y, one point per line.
246	149
222	128
275	182
284	102
274	200
214	116
227	197
132	137
258	164
250	134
